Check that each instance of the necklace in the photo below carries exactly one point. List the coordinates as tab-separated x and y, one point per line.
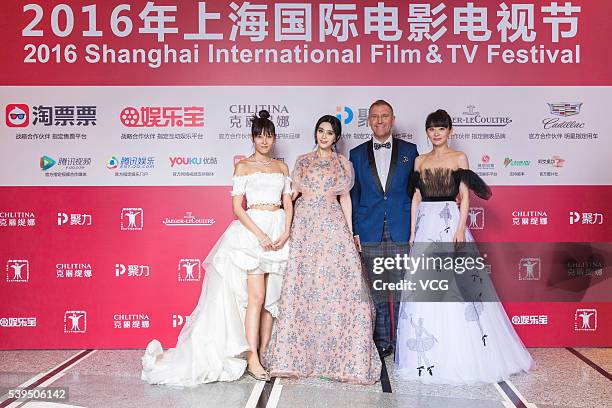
263	163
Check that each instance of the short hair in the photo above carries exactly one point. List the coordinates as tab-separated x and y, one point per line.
381	102
335	124
439	118
262	124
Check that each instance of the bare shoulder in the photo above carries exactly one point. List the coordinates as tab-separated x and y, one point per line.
418	161
461	160
282	166
241	168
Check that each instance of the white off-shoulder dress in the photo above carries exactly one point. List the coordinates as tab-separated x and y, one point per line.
212	343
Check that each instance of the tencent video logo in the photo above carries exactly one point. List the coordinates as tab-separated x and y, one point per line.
46	163
342	110
17	115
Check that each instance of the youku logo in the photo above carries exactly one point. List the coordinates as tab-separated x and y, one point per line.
563	110
473	118
344	114
192	161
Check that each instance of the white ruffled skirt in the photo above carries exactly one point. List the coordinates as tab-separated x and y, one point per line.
211	345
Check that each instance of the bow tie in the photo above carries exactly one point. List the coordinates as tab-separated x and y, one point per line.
381	145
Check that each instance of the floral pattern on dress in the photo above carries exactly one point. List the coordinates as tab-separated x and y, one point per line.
325	323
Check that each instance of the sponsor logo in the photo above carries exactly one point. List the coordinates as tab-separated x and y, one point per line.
589	218
189	270
473	118
192	161
564	109
344	114
554	161
132	219
162	116
75	321
529	217
17	322
131	321
131	270
60	115
509	162
520	320
17	219
241	116
585	320
254	109
65	166
73	219
188	220
585	268
130	162
73	270
17	270
17	115
476	218
530	269
179	320
46	163
486	166
112	163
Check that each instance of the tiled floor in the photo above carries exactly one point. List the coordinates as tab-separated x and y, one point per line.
111	378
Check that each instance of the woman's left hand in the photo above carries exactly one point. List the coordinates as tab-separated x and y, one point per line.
280	242
459	236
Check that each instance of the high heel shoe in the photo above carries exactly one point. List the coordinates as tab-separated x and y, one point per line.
265	376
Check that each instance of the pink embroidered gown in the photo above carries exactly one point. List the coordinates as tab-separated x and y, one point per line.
326	316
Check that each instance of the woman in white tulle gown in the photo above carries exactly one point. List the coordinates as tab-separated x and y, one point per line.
469	340
232	322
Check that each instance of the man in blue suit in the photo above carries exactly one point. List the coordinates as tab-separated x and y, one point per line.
381	205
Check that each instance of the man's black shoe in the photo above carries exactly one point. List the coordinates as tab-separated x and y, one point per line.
385	351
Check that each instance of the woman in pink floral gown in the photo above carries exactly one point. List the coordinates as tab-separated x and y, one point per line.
325	322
